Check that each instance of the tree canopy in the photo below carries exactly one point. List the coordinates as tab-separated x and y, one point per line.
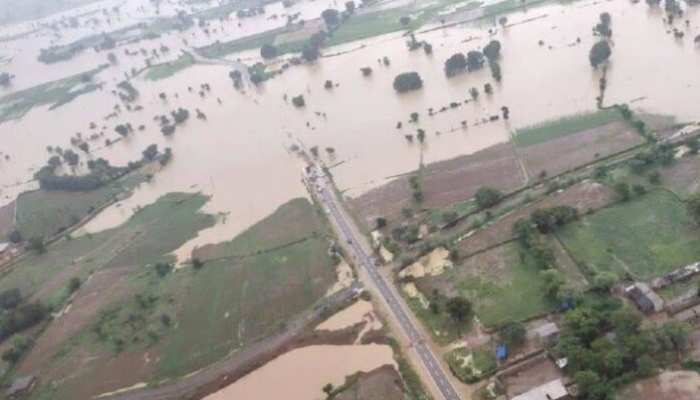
600	53
407	81
268	51
456	64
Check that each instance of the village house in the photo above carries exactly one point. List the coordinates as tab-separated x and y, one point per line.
554	390
646	300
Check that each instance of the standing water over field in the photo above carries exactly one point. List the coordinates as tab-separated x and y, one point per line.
240	155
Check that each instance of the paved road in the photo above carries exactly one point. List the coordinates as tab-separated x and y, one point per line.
322	187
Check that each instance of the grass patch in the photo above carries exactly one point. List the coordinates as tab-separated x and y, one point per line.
54	94
644	237
472	365
516	295
43	213
564	126
222	49
170	68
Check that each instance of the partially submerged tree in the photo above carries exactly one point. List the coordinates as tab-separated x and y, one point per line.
600	53
268	51
407	81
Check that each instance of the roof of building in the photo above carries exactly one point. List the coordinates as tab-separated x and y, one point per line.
4	246
553	390
547	330
645	298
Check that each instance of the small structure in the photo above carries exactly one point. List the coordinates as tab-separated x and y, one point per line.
20	387
679	275
548	334
501	352
554	390
644	298
4	246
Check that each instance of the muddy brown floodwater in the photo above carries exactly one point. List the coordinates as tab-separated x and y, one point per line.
239	157
301	374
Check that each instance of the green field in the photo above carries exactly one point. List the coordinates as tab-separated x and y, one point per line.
472	365
147	237
549	130
266	276
168	69
516	295
222	49
53	94
43	213
644	238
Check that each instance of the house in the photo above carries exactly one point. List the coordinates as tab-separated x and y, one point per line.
644	298
554	390
20	387
547	334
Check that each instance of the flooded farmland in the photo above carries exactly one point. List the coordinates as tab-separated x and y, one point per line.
307	382
241	152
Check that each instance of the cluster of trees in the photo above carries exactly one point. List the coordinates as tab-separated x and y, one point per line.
416	187
124	129
459	63
127	91
16	316
606	346
407	81
5	79
600	53
180	116
660	154
547	220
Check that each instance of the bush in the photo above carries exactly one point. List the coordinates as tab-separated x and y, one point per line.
268	51
487	197
298	101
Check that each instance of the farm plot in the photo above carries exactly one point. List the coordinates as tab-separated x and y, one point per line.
445	183
583	196
43	213
566	153
154	325
642	238
500	285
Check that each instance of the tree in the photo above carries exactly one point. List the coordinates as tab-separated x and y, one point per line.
15	236
552	283
456	64
36	244
328	389
623	190
5	79
459	308
474	93
331	17
600	53
197	263
487	197
298	101
268	51
407	81
488	89
591	386
495	71
693	207
350	7
603	27
405	20
604	280
73	284
366	71
380	222
150	153
506	112
163	269
513	334
475	60
328	85
492	51
310	52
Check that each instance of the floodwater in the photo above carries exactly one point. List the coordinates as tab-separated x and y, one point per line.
347	317
239	155
301	374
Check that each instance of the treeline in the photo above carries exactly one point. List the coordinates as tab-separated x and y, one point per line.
101	172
